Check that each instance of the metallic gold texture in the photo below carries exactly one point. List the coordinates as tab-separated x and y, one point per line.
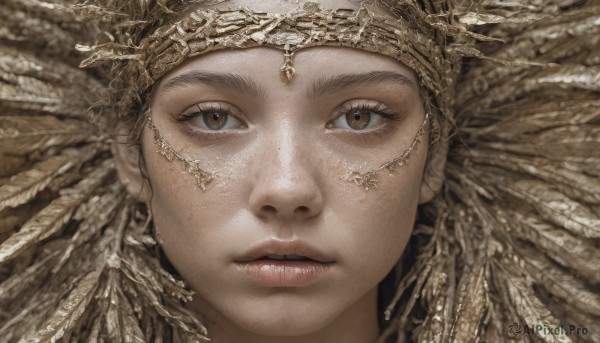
369	179
203	178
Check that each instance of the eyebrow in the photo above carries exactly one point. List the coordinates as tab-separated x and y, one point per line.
336	83
221	80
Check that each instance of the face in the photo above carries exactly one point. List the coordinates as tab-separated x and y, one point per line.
279	153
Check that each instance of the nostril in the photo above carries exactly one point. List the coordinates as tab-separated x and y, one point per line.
301	209
269	209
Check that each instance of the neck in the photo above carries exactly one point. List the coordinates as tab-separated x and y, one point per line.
357	324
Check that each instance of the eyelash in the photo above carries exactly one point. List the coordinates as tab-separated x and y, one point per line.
378	108
365	136
198	110
374	134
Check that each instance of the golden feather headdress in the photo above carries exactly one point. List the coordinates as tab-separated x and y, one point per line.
511	240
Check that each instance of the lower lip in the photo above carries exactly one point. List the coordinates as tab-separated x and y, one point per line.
273	273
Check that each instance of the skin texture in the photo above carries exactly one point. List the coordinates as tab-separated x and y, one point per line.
277	179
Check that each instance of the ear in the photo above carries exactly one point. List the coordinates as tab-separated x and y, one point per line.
434	173
127	160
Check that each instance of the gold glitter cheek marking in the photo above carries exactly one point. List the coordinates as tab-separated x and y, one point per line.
369	179
203	178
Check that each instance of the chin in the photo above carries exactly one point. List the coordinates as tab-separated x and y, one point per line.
284	318
283	325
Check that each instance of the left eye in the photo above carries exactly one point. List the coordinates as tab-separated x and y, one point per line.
215	120
358	119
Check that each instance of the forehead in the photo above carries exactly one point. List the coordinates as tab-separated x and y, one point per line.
263	65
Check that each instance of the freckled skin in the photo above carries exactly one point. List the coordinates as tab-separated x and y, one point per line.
283	160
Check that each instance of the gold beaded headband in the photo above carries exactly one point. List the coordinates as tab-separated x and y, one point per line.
209	30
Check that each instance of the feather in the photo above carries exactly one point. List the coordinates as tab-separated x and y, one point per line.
556	207
54	216
131	333
25	134
494	324
438	292
97	212
563	247
94	335
559	283
11	164
583	153
18	283
577	76
11	219
578	320
471	307
96	12
113	323
522	118
147	285
38	22
44	223
24	186
574	184
37	86
13	328
70	309
528	306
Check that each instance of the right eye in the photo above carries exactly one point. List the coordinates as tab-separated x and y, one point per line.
211	117
358	119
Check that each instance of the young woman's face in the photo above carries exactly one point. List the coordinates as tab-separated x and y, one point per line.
279	153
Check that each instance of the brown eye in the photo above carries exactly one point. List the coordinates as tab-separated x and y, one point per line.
358	119
214	120
211	117
362	117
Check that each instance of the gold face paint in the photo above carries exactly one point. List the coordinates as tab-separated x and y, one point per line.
369	179
203	178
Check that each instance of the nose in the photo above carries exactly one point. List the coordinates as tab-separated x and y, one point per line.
286	183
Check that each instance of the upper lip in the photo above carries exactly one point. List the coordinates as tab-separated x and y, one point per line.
271	247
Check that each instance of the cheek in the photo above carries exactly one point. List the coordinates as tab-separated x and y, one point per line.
388	226
376	226
182	212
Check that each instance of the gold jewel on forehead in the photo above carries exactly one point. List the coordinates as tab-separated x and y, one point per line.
369	179
288	70
203	178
